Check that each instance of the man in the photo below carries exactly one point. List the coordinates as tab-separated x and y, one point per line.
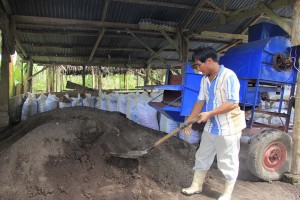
219	89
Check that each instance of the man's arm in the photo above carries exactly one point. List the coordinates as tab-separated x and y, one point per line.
197	108
222	109
232	86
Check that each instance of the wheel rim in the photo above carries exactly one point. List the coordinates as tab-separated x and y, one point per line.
274	156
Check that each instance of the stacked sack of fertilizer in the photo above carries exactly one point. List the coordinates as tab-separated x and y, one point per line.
41	103
147	116
29	107
65	101
89	101
51	102
121	103
112	100
77	101
101	102
167	125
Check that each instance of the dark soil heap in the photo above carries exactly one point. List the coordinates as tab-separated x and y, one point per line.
63	154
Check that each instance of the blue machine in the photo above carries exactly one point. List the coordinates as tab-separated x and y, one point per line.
262	65
263	59
180	93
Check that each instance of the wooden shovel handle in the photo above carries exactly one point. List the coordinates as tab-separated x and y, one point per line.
177	130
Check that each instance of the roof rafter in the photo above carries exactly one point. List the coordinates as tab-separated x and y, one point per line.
241	30
156	3
101	32
193	13
63	46
224	35
170	40
75	23
146	46
216	7
281	22
6	6
164	4
242	15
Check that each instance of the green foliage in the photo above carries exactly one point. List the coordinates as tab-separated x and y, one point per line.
38	82
18	70
117	81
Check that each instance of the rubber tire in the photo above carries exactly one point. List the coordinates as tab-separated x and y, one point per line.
256	151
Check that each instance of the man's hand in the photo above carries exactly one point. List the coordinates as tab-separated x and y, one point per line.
204	116
188	130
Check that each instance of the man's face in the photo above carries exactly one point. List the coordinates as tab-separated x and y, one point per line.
202	67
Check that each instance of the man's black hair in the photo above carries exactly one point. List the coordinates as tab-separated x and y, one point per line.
203	53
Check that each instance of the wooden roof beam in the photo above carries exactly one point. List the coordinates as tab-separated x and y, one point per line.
241	30
192	14
96	44
170	40
281	22
242	15
112	64
44	68
164	4
61	46
212	34
6	6
96	59
216	7
156	3
60	22
166	45
146	46
21	47
101	31
156	36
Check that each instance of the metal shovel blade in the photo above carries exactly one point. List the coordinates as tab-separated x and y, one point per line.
130	154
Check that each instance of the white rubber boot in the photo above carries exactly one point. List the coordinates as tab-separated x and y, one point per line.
196	187
227	190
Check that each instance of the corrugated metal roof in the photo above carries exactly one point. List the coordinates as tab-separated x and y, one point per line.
71	41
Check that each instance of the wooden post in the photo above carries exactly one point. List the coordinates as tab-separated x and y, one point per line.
126	78
11	77
47	80
99	80
296	129
294	176
96	77
148	74
61	81
50	79
30	70
4	85
83	76
53	79
22	78
93	77
183	50
58	79
137	79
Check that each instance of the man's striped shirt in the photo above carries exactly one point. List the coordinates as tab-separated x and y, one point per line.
224	88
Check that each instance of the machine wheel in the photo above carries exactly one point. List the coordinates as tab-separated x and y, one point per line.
270	155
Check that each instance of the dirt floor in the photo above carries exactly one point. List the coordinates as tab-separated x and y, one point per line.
63	154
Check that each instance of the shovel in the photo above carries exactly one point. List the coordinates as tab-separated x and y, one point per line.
137	154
